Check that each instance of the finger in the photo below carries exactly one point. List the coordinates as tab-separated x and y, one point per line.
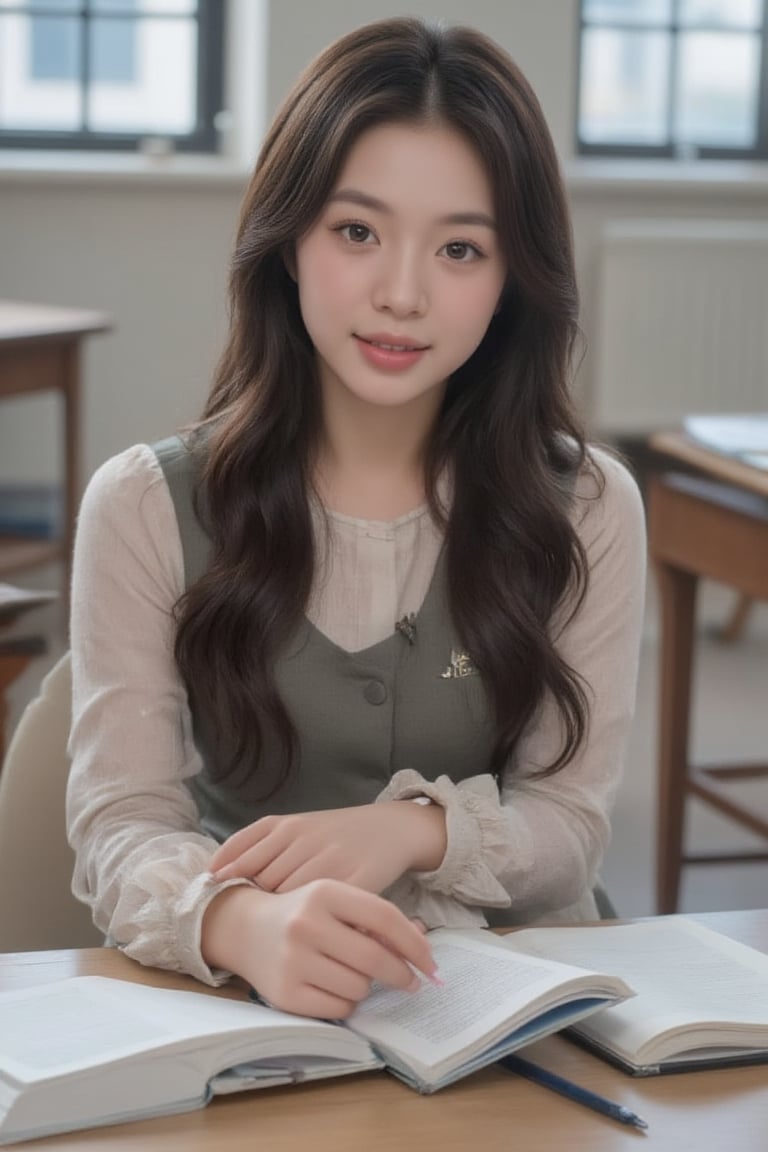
239	842
364	954
255	860
316	868
382	919
278	873
336	978
307	1000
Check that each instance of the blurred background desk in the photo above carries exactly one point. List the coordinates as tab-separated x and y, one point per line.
713	524
40	352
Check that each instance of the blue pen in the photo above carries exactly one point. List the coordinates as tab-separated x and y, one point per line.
572	1091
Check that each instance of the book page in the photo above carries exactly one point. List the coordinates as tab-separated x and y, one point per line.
682	973
484	997
91	1020
63	1026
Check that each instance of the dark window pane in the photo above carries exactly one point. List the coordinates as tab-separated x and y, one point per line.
717	89
161	95
624	86
54	48
113	51
50	100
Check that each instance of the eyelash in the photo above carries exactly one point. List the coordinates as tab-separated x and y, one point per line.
477	253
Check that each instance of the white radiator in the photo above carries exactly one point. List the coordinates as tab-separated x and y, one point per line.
681	322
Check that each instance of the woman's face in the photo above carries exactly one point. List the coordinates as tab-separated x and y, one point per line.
400	275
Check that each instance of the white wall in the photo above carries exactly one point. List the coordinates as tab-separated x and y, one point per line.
154	253
541	35
155	259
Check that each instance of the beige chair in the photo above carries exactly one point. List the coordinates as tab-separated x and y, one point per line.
37	908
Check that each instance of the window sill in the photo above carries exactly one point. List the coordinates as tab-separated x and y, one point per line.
703	178
583	175
123	169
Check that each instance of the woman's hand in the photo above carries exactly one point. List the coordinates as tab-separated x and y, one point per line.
369	846
315	951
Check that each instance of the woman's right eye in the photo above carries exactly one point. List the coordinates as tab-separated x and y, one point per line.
356	233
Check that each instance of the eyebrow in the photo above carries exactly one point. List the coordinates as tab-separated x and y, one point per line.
352	196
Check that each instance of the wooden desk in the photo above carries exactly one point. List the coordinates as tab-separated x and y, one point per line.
678	446
714	525
492	1110
40	352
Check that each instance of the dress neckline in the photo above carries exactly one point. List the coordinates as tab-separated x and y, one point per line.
366	523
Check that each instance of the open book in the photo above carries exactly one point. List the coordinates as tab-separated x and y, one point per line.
92	1051
702	999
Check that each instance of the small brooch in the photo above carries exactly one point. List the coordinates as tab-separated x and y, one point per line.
459	667
407	627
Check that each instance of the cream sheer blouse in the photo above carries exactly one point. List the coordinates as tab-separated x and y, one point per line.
534	845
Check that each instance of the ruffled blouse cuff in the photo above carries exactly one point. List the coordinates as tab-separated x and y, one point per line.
478	847
176	945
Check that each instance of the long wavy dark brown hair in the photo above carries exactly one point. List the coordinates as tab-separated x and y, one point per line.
506	430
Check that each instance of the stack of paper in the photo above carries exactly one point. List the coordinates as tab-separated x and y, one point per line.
744	436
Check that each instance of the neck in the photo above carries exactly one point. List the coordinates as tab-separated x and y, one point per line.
371	459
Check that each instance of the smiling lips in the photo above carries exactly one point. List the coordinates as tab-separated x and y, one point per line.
393	353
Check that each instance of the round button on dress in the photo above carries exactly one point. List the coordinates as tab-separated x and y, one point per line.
375	692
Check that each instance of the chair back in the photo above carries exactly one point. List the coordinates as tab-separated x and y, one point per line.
37	908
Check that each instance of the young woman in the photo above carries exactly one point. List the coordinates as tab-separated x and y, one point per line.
357	653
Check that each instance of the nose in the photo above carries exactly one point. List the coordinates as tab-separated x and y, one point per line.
401	287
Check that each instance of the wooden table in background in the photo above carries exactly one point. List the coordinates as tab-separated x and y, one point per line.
709	1111
711	525
40	352
729	469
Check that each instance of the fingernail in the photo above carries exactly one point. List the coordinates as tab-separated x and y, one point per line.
436	979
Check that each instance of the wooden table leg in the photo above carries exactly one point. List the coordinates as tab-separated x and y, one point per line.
733	629
677	598
11	667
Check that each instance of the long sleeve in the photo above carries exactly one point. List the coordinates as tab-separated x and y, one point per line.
535	845
141	860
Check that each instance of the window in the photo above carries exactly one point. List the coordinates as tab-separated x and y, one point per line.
684	78
110	73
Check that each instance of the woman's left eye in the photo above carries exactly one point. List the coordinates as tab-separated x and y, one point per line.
462	252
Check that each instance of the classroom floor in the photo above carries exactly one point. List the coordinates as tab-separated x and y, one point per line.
730	698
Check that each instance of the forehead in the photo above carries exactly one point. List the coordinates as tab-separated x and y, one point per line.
431	168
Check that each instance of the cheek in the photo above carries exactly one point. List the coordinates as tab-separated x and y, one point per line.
325	284
474	310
